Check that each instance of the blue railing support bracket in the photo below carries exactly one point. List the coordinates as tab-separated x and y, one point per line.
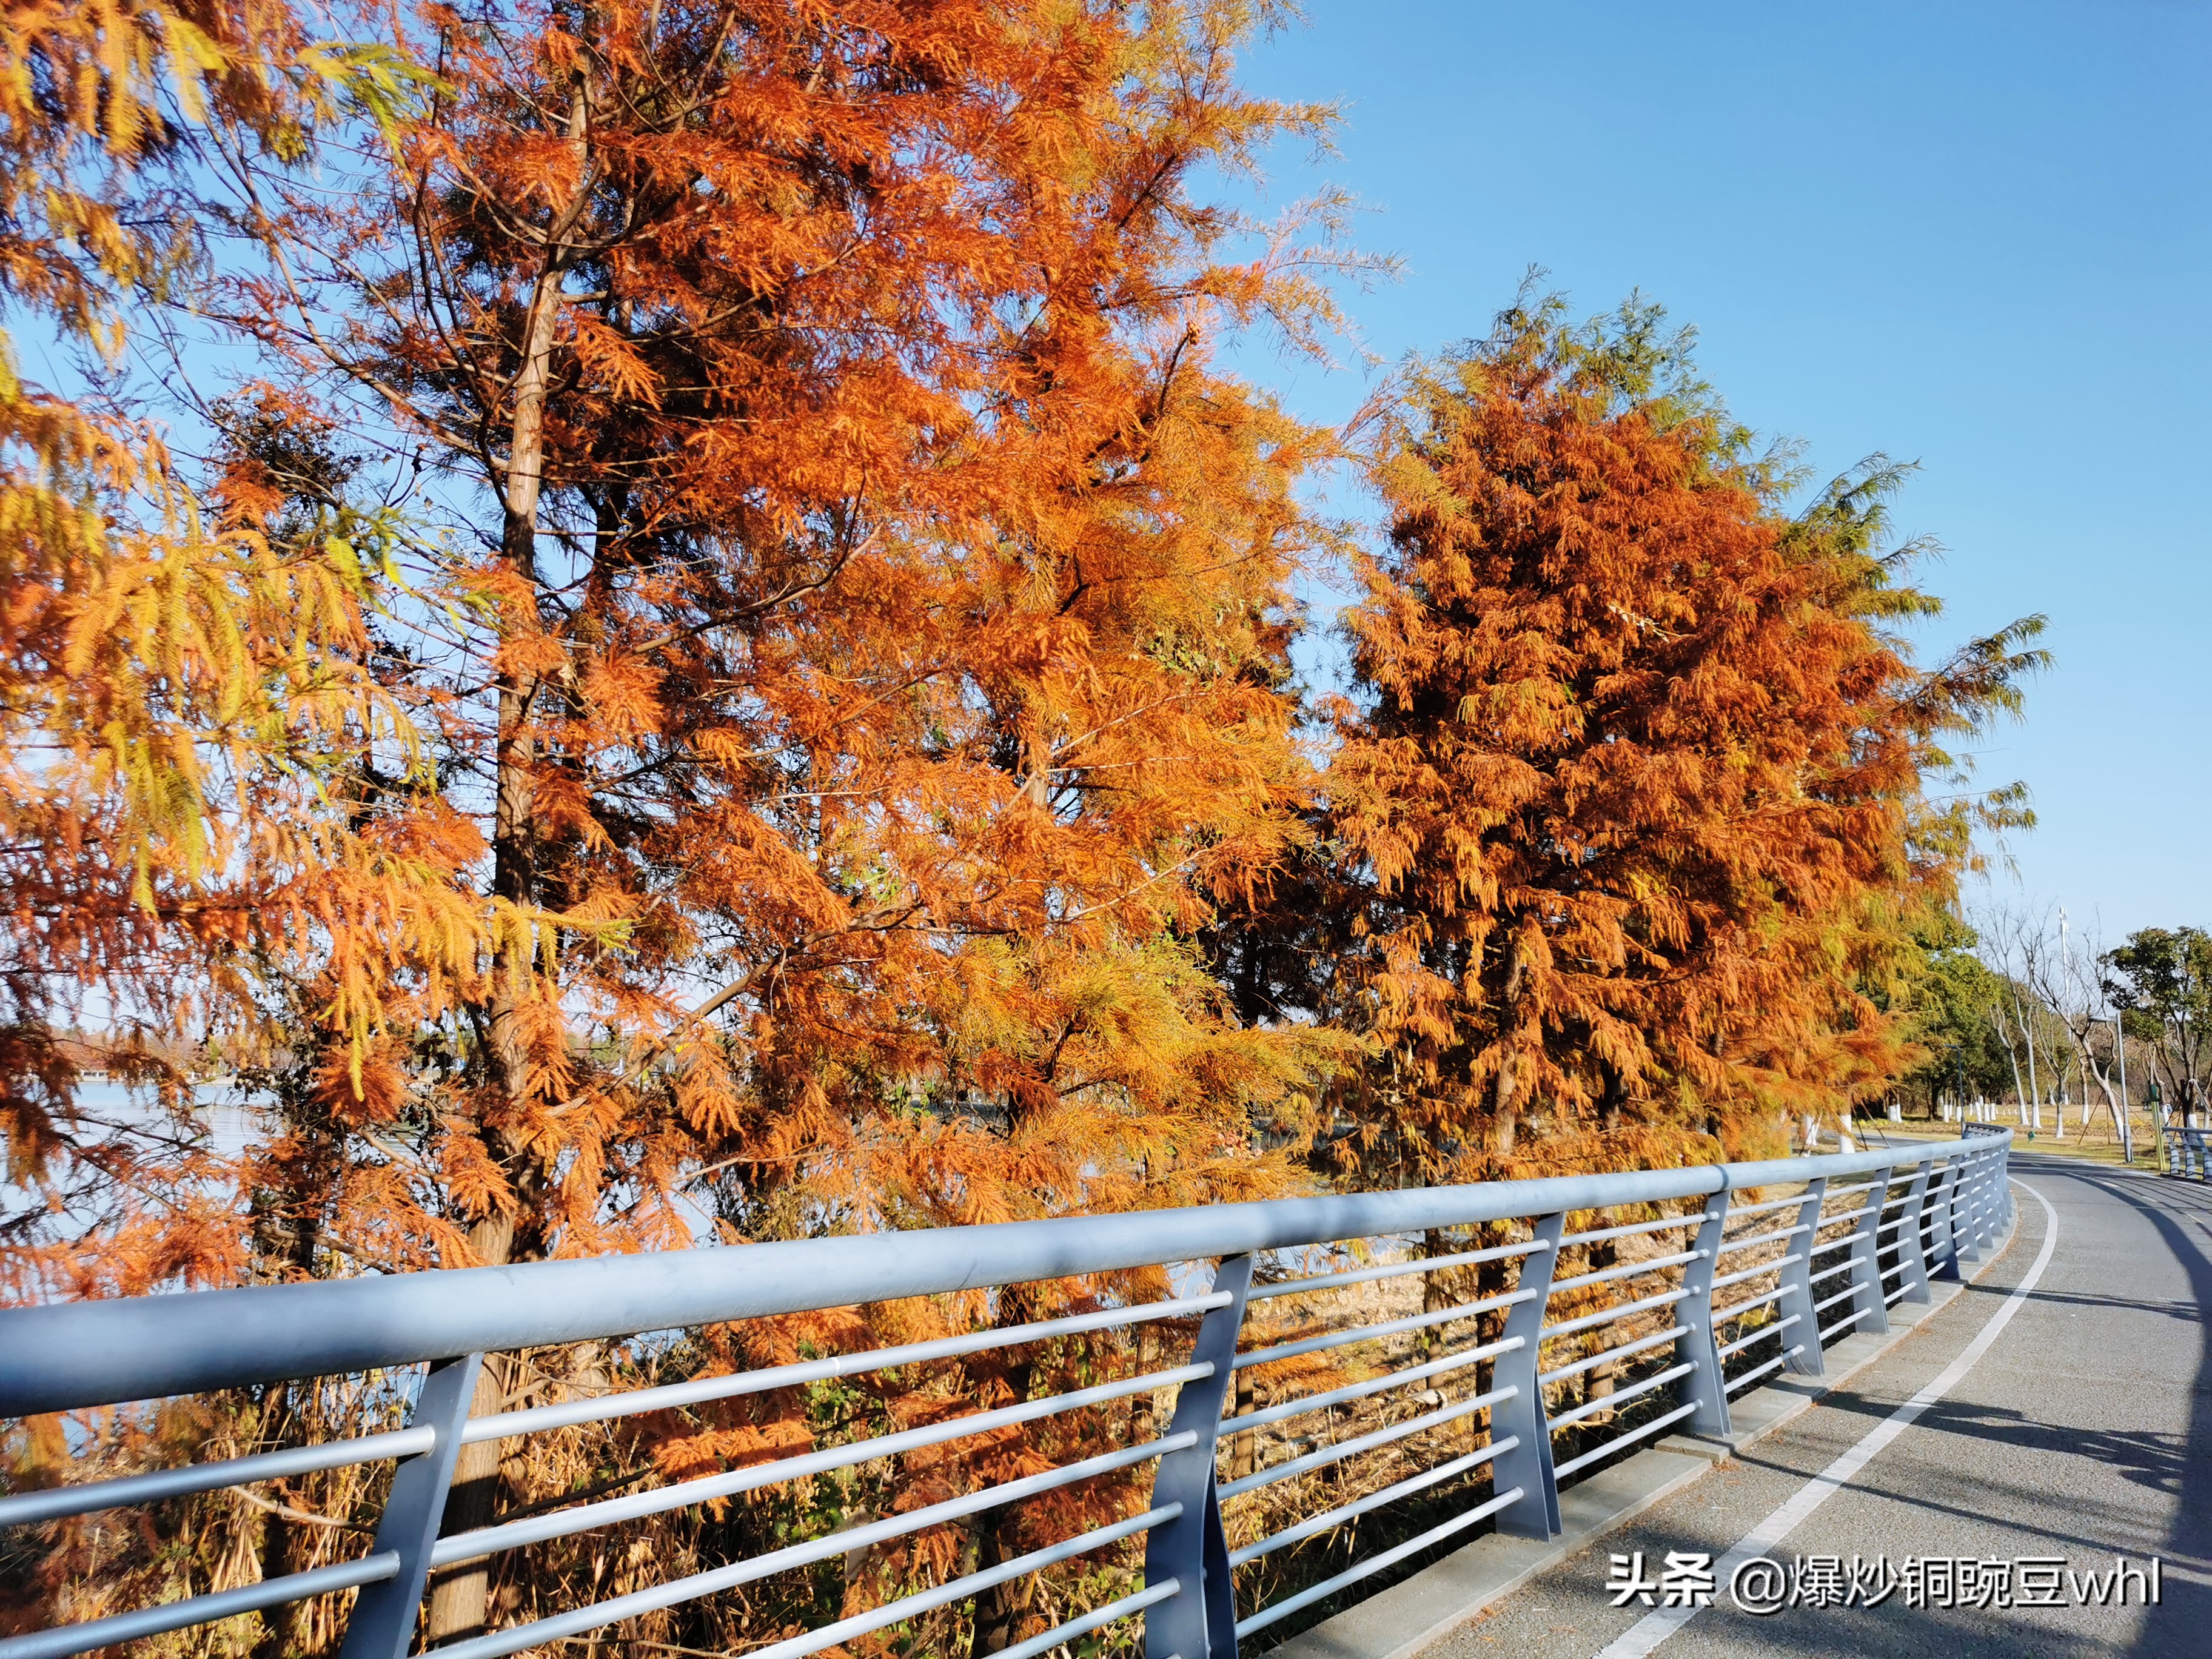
383	1622
1910	1254
1527	1465
1201	1620
1796	1299
1699	1347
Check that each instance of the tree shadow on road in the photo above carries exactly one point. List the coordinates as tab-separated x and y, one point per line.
2150	1460
2182	1622
2182	1312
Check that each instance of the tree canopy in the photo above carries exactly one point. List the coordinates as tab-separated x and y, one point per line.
2160	981
1626	809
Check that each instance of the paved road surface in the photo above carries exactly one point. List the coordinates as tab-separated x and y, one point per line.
2084	1431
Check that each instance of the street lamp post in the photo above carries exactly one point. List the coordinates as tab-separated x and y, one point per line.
2127	1129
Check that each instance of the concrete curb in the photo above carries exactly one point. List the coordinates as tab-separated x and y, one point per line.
1402	1621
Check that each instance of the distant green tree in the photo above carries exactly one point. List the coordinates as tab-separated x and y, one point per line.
2161	982
1958	997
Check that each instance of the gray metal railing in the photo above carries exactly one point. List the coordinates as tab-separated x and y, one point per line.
2186	1152
1606	1333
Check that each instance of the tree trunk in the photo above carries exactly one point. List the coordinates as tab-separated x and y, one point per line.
1244	1449
1604	1378
459	1602
1145	1409
1000	1609
1435	1294
460	1597
2035	1081
2091	1072
1505	1116
281	1627
515	872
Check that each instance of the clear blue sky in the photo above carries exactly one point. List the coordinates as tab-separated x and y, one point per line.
1974	235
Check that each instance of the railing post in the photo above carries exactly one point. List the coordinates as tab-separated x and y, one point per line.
1200	1620
1911	1256
1870	1304
1535	1513
1699	1346
1967	1238
1797	1285
1942	1242
383	1622
1973	1204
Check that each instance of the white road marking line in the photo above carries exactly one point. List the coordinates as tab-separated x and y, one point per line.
1649	1631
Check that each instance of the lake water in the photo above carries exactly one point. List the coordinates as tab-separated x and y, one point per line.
226	1122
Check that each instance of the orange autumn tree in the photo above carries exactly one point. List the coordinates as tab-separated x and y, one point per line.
1629	805
171	680
863	625
860	634
882	628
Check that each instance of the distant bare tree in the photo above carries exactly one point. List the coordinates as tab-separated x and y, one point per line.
2056	973
2021	946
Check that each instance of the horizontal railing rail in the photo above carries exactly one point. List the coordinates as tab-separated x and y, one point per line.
1345	1356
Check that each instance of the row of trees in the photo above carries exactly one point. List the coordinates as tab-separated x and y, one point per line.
649	622
2029	1007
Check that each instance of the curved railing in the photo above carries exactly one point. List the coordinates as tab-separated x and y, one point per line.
1524	1313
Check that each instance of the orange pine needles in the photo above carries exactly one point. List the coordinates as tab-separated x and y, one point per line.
816	626
874	665
1635	808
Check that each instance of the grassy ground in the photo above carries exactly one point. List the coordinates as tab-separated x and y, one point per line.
2102	1146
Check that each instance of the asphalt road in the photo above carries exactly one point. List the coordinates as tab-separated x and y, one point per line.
2084	1432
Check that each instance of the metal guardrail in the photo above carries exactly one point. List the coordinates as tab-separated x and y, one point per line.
1683	1308
2187	1152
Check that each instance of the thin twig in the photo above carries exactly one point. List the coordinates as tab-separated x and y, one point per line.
291	1514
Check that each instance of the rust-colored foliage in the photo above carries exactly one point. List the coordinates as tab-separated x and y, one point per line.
776	768
831	660
1633	807
172	676
873	664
